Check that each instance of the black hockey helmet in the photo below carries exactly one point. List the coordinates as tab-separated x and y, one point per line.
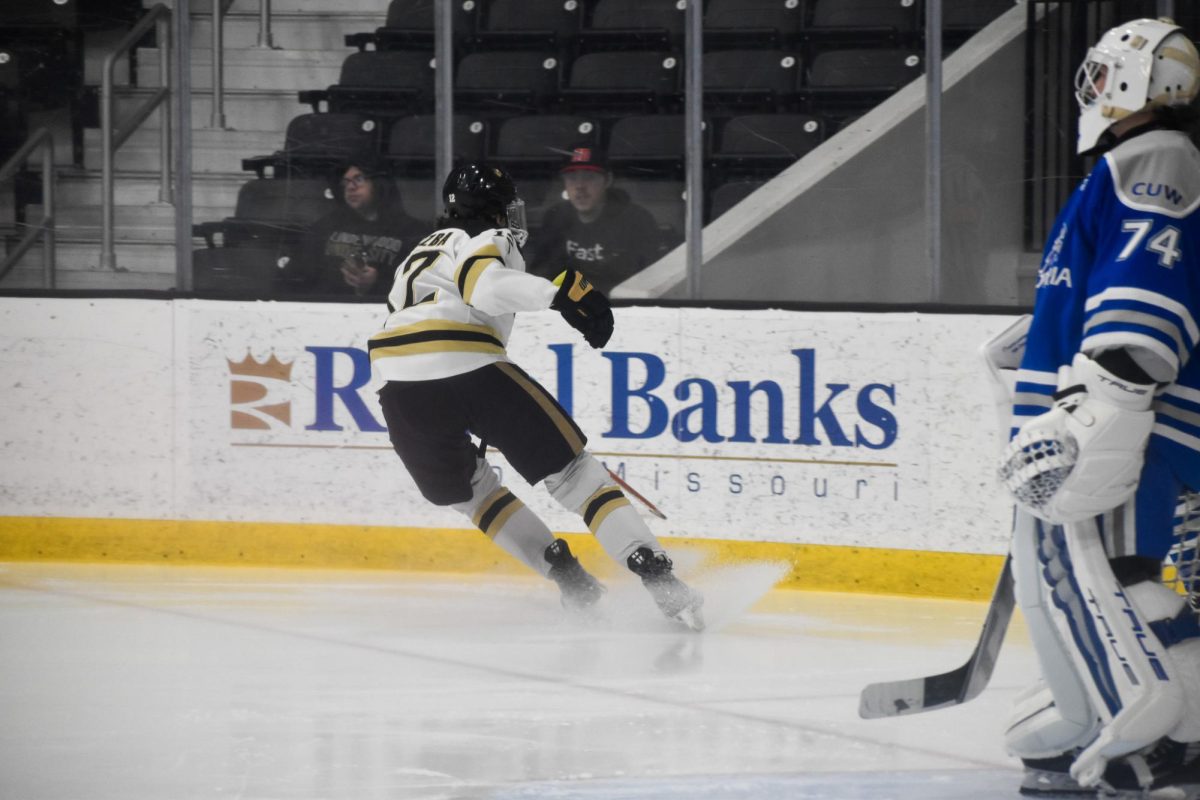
478	190
482	191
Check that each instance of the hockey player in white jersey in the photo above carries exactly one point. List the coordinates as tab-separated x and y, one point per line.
442	355
1107	437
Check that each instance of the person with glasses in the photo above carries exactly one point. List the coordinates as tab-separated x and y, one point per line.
355	248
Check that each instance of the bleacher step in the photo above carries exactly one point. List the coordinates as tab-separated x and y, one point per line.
214	190
213	150
255	68
149	223
282	6
78	266
253	110
138	271
319	31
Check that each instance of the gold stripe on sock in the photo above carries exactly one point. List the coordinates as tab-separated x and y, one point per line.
601	504
486	506
504	512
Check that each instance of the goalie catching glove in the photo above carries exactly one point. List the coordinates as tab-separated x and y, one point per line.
584	307
1084	456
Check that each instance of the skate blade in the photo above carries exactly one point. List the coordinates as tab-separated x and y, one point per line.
691	617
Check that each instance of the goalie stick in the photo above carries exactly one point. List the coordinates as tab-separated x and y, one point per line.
912	696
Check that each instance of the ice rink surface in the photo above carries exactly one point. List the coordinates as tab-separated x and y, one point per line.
173	683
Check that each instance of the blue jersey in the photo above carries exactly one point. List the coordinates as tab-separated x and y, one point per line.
1122	269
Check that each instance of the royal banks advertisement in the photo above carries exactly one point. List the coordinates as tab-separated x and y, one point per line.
870	430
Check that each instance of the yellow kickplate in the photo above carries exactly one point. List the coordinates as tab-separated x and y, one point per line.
813	567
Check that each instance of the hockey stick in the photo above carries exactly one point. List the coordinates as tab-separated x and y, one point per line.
897	698
653	509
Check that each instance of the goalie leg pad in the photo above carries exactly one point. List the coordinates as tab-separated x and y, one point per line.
1115	651
1037	728
1063	718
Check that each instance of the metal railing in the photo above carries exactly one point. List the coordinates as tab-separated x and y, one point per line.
219	7
265	41
111	138
45	226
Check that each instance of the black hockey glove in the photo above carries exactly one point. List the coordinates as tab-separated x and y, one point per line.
584	307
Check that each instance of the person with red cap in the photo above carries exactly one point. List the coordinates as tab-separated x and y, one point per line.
597	229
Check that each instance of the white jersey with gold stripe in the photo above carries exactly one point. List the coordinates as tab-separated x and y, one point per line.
452	305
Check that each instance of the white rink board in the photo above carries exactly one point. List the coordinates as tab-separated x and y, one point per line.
870	430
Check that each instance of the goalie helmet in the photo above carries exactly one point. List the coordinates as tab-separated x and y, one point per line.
481	191
1143	64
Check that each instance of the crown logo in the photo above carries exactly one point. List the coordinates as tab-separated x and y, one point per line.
258	393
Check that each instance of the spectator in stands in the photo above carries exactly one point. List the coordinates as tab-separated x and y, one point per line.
598	230
355	248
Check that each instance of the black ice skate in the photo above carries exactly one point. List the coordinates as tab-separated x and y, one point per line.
1167	770
674	598
580	590
1051	778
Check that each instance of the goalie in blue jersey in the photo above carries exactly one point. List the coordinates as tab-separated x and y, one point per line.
1106	416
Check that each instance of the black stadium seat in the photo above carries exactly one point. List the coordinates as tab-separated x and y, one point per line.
866	21
624	24
962	20
42	42
270	213
743	78
752	23
628	81
763	144
664	199
860	77
10	70
539	194
70	14
246	272
39	14
529	24
412	141
648	143
728	195
541	143
315	142
419	197
409	25
507	81
383	83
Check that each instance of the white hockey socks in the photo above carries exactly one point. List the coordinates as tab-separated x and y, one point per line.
586	488
506	521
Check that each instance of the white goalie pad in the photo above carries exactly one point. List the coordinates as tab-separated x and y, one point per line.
1128	675
1058	718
